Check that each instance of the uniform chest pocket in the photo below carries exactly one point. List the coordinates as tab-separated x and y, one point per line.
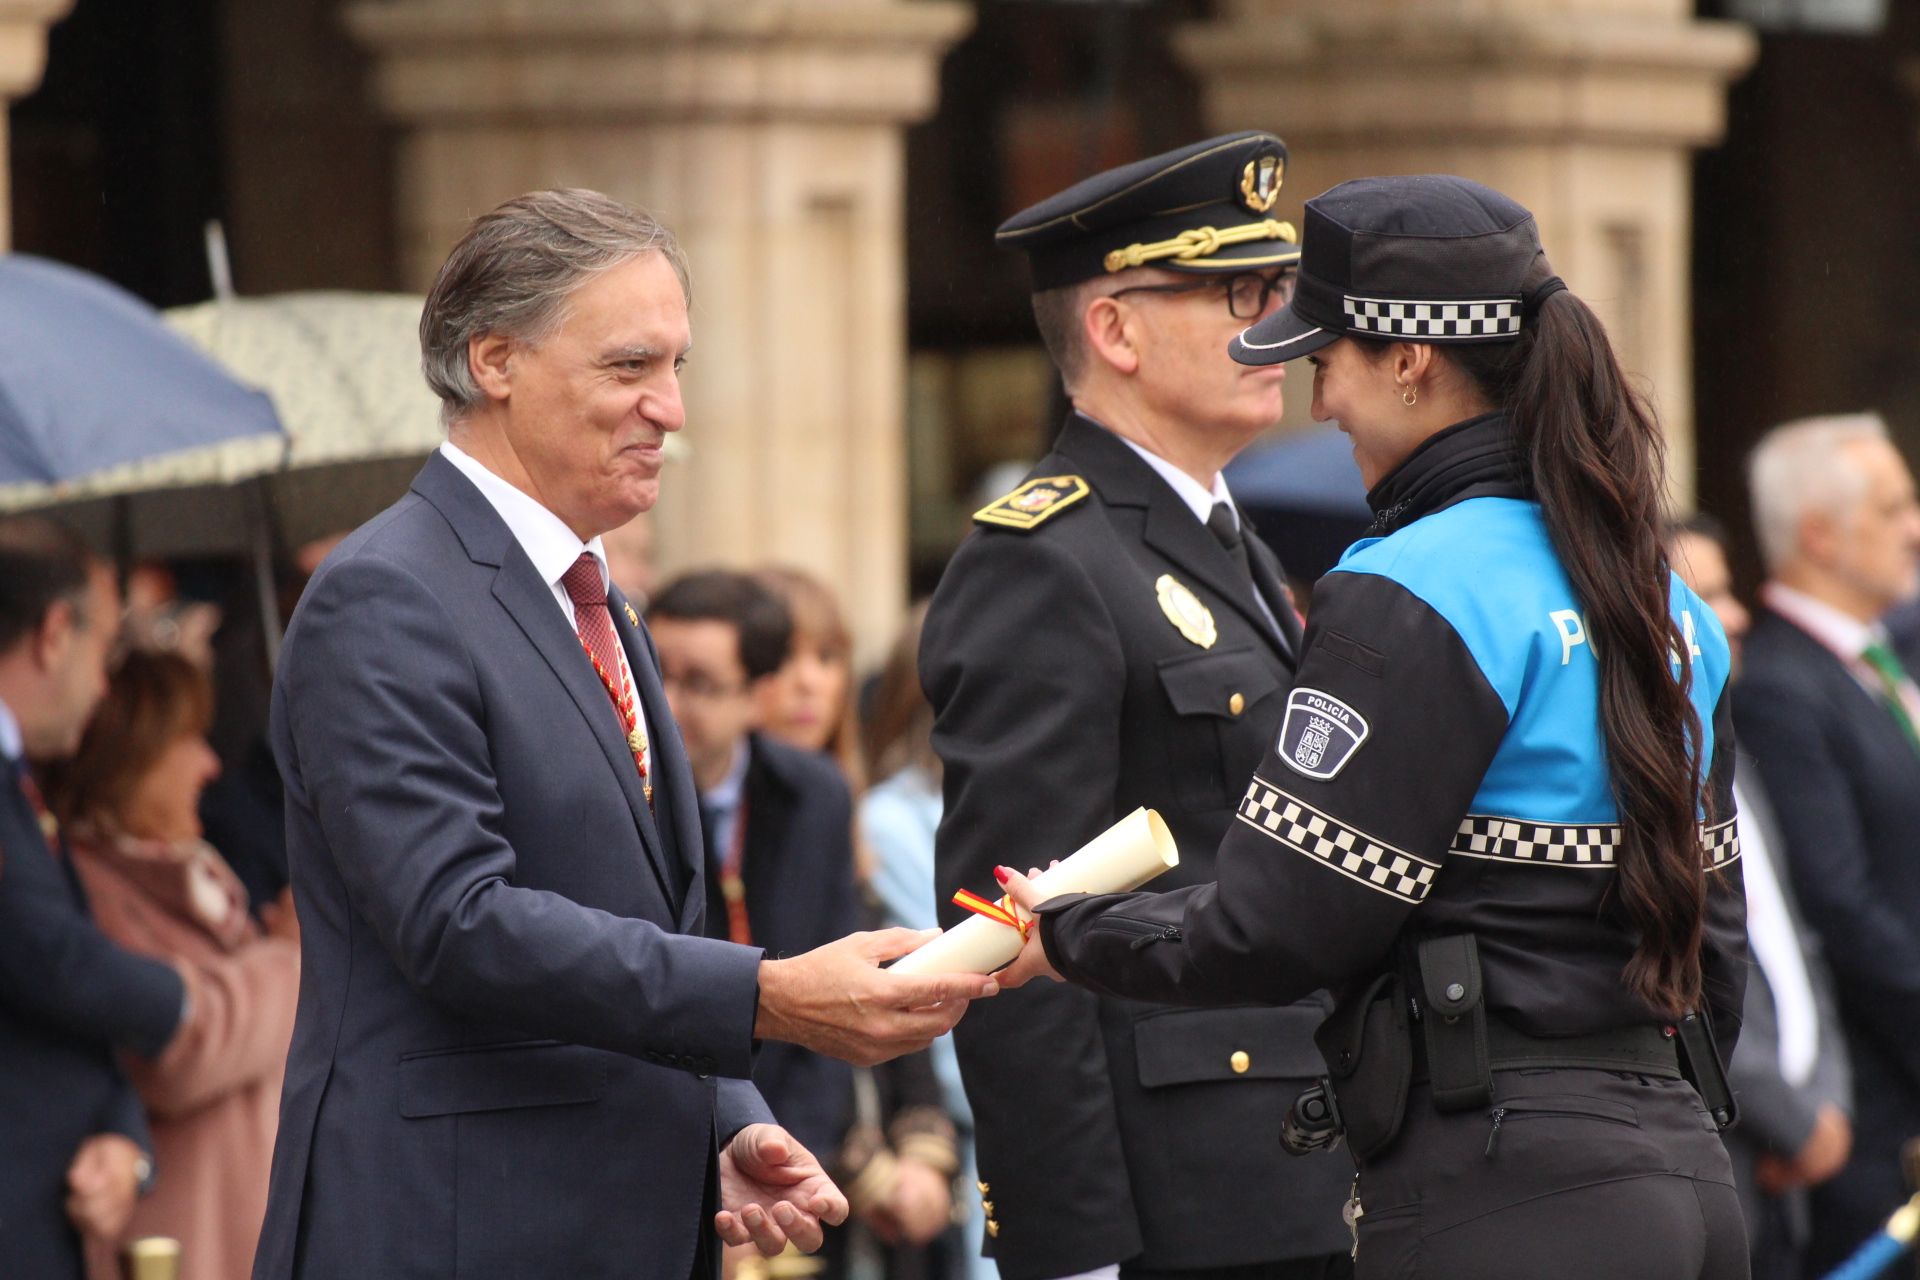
1223	712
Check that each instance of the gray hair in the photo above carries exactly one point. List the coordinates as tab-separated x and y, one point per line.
1801	467
513	272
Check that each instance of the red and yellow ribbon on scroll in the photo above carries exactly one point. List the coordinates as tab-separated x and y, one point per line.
1006	911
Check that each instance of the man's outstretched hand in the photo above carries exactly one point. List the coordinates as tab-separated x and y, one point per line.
773	1191
837	1000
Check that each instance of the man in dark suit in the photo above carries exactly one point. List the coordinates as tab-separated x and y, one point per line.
1112	637
74	1147
777	821
1790	1068
1828	713
515	1053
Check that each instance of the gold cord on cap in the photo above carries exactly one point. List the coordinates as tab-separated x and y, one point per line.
1200	242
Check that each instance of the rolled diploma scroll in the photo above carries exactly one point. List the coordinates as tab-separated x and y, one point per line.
1125	856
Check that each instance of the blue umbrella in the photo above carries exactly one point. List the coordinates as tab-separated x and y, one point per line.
90	378
1305	496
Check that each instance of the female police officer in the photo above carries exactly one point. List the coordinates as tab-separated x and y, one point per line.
1497	820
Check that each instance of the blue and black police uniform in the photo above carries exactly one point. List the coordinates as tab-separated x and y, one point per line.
1433	833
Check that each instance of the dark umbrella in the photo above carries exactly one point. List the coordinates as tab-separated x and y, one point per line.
90	378
1305	496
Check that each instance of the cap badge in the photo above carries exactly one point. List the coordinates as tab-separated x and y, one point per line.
1037	500
1184	610
1260	183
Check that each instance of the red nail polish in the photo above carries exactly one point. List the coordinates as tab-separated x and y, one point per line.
1001	874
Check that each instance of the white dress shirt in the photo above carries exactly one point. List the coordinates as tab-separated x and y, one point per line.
548	542
13	743
1776	948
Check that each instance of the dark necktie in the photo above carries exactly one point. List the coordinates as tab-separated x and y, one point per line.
595	627
1226	530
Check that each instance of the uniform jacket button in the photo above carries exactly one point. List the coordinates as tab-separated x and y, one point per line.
1236	704
1239	1062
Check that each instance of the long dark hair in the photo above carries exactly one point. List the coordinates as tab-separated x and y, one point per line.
1598	462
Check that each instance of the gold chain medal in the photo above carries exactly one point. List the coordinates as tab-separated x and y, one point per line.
1184	610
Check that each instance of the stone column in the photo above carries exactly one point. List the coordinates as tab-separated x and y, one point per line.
1586	111
769	135
23	59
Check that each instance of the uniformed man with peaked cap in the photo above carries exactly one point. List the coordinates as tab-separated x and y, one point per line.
1114	635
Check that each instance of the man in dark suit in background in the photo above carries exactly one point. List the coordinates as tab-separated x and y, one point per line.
74	1147
777	821
1111	636
1828	713
515	1053
1790	1068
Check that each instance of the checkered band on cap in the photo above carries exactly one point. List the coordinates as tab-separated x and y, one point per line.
1471	320
1304	829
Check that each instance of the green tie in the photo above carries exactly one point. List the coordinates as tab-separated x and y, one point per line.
1895	677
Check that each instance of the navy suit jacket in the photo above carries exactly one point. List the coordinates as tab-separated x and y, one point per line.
511	1058
1845	788
68	998
797	869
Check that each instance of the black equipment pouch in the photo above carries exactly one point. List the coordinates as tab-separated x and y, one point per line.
1700	1064
1368	1048
1453	1023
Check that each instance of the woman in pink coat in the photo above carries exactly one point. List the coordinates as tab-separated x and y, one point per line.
129	801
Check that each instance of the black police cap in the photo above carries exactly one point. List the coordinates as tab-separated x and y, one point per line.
1203	208
1421	259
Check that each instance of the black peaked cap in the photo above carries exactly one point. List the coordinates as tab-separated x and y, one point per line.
1431	258
1207	207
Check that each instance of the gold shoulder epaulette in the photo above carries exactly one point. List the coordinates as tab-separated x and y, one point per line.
1034	502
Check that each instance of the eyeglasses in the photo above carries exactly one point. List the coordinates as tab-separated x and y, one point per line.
1247	292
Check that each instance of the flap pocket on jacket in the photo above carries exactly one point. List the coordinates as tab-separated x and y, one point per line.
1206	684
1190	1046
496	1077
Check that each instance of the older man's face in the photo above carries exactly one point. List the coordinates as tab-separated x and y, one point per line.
1876	552
591	406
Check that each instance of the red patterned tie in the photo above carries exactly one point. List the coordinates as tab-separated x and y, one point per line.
595	627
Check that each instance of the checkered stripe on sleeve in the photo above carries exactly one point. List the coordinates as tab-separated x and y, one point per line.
1545	843
1720	843
1434	321
1354	854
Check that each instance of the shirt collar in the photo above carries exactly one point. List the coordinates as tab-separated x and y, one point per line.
1199	499
13	743
1840	632
725	796
544	536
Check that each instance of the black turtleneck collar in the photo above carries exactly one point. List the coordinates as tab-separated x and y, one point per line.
1478	458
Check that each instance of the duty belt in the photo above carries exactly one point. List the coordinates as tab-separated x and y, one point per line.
1644	1050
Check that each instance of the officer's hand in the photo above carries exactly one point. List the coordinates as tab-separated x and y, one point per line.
1826	1149
837	1000
103	1183
1032	961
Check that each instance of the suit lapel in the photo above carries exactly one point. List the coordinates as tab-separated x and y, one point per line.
519	589
1271	581
672	779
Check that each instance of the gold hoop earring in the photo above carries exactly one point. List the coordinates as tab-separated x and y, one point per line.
1408	395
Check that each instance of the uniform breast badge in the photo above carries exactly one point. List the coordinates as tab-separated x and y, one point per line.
1033	502
1184	610
632	617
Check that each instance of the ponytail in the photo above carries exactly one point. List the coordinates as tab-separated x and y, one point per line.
1598	463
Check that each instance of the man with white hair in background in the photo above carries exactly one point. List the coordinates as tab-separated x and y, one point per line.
1829	714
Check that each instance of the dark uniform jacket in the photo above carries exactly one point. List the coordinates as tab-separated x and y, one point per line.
68	998
1439	769
1066	696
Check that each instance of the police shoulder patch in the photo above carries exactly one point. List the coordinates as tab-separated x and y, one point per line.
1034	502
1320	733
